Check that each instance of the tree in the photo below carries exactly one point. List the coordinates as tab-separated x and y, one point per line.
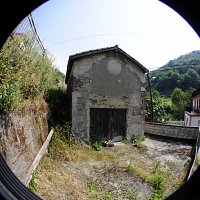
158	109
178	97
167	81
179	102
189	79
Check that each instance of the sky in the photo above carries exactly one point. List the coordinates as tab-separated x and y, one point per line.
148	30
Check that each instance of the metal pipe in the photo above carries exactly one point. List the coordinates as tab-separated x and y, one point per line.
149	83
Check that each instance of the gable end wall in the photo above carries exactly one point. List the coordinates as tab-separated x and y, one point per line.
106	80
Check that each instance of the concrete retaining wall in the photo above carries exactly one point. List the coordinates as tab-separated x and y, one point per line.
174	131
175	123
22	136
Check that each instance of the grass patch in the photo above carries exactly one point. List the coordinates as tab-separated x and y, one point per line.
128	193
25	74
64	147
138	171
95	191
53	181
155	177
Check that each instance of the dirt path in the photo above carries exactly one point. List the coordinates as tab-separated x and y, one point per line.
120	172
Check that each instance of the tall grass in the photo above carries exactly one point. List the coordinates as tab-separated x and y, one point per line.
24	74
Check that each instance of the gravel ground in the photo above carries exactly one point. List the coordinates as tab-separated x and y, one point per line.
111	176
173	156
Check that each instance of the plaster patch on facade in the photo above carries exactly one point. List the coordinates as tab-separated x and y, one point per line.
114	67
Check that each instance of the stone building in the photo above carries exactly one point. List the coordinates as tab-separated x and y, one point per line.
106	89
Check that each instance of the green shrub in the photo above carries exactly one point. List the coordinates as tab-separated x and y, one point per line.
137	140
97	145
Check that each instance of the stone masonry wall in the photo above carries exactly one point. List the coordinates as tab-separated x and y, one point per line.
174	131
107	80
21	137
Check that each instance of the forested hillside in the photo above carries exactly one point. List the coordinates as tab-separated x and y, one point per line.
183	73
172	87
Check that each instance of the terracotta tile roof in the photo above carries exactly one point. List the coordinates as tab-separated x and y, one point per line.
72	58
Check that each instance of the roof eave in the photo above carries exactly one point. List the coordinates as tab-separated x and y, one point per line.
92	52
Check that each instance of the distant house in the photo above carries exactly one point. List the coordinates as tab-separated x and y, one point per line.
106	91
192	116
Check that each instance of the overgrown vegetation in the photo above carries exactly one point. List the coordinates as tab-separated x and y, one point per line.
155	177
24	74
65	147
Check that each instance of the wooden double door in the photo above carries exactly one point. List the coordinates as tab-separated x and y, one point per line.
106	123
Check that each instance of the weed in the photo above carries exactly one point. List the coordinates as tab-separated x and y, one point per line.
159	183
90	186
197	161
128	193
157	168
97	192
33	186
55	182
155	177
126	141
137	140
97	145
58	147
142	173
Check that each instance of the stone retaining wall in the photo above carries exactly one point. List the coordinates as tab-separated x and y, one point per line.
22	135
174	131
